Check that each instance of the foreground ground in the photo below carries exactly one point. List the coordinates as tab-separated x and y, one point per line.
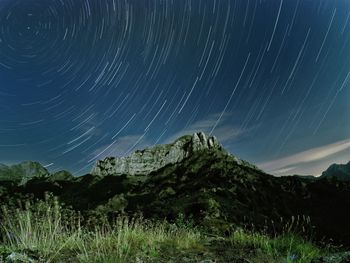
45	232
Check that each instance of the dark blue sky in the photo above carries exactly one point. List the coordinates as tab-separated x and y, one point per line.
84	79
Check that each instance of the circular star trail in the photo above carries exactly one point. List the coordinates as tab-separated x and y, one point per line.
85	79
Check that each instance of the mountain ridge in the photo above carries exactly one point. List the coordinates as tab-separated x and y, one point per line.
216	189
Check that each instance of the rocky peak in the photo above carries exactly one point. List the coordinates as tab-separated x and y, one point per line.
201	141
146	161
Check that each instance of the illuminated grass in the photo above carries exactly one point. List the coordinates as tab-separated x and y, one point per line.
55	234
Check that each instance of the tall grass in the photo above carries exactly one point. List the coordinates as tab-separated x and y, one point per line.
56	234
43	227
286	248
38	227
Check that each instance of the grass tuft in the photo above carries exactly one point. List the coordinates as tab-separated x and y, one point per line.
286	248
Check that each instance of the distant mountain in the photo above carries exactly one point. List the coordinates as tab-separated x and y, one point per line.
306	177
196	177
339	171
22	172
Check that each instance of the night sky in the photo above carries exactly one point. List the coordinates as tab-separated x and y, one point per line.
84	79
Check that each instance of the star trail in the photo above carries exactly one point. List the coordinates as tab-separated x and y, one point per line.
85	79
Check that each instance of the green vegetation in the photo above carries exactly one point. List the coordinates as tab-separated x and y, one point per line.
44	231
54	234
287	248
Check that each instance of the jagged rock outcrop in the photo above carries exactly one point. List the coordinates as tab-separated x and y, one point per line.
149	160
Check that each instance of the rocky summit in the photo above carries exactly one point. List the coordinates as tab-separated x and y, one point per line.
146	161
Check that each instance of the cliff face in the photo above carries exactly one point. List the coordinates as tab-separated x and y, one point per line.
149	160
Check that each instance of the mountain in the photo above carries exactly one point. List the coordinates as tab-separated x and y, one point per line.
22	172
196	177
142	163
339	171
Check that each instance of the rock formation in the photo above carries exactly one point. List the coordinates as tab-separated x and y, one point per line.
149	160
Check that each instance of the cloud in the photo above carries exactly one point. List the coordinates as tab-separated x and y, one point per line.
225	133
305	158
